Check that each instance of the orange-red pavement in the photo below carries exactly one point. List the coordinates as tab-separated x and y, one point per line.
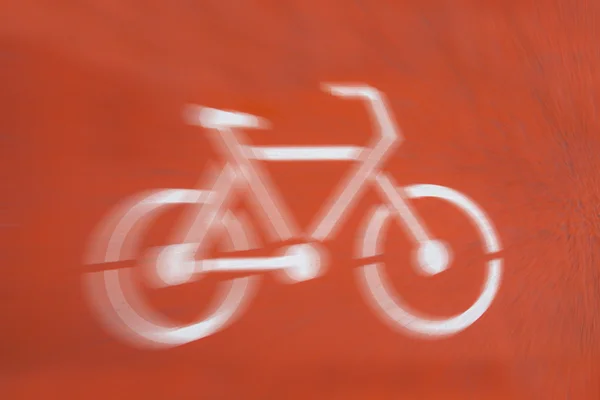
497	99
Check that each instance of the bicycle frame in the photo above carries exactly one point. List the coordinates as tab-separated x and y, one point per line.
182	259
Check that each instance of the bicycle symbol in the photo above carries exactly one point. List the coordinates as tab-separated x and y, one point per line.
210	217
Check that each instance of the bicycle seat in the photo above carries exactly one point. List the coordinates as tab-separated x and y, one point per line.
213	118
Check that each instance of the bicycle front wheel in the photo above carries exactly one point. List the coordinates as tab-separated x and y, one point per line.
388	305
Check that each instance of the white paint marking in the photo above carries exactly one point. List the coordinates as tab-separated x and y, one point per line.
304	153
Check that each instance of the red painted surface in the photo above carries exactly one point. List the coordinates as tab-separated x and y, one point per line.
496	99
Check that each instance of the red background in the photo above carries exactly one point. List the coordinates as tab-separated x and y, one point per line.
496	99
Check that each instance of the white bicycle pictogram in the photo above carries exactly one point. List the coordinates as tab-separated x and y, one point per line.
210	218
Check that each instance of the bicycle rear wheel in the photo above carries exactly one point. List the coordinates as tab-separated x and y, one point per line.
115	294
